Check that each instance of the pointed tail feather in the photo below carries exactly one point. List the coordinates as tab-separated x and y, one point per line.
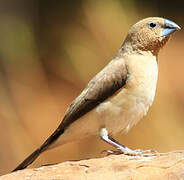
28	160
42	148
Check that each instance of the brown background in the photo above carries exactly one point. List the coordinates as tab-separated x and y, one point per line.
49	50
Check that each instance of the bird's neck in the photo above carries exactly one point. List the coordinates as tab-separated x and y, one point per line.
128	49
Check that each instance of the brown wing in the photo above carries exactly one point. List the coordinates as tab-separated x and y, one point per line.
103	85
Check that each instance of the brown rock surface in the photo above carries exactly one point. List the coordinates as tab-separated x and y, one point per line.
162	166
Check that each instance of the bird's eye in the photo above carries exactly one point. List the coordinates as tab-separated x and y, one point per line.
152	25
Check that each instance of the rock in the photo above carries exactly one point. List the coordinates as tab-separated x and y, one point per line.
113	167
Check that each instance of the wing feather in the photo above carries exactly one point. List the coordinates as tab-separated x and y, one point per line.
103	85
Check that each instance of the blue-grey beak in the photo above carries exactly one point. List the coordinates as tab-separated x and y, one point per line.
169	27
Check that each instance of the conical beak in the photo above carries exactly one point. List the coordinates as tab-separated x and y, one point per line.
169	27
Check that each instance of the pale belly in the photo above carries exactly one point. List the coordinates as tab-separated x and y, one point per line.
122	110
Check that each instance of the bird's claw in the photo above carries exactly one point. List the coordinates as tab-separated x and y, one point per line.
129	152
141	152
109	152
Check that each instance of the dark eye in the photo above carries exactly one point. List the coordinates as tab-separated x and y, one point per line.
152	25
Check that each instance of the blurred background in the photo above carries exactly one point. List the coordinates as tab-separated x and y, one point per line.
49	50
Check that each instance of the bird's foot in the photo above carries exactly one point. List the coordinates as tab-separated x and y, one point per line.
130	152
109	152
141	152
122	149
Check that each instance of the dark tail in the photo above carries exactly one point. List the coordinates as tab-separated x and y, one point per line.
28	160
42	148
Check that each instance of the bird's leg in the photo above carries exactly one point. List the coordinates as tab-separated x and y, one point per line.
122	149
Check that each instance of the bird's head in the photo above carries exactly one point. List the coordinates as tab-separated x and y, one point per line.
150	34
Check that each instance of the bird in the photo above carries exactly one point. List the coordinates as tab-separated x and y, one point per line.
119	95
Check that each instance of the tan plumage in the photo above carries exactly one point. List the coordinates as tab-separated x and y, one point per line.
118	96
